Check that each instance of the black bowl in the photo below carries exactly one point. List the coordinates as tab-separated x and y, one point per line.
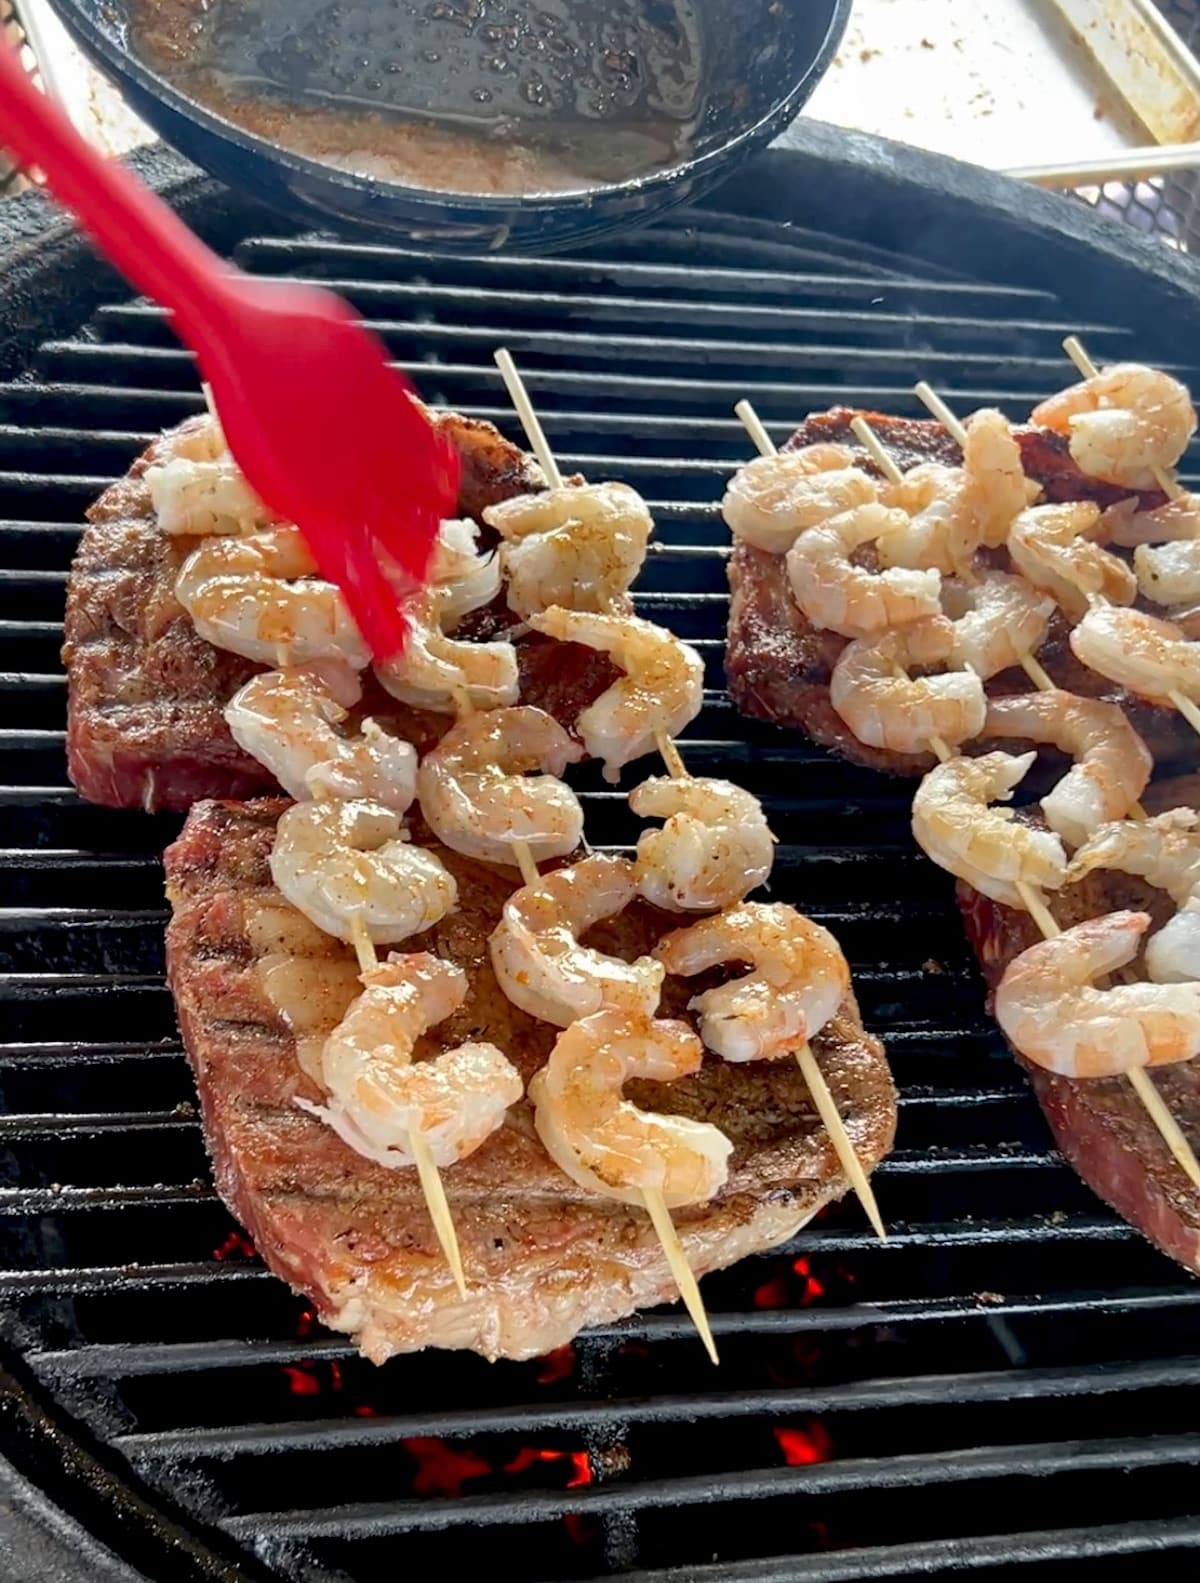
763	59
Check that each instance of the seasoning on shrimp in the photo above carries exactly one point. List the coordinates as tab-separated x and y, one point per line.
773	499
288	720
836	593
1123	423
900	712
439	673
1052	1012
661	691
1169	574
478	797
1126	524
378	1097
998	618
714	848
202	496
463	577
798	979
576	547
1052	547
1143	653
537	957
606	1143
1113	765
955	826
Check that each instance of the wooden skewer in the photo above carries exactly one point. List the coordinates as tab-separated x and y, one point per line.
656	1207
876	450
427	1171
754	427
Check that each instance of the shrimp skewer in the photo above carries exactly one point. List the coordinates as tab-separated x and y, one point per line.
652	1198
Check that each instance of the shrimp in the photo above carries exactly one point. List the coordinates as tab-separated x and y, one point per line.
998	619
943	533
440	673
1123	423
1050	545
576	547
715	846
1054	1015
774	499
603	1141
257	597
287	720
1169	574
1143	653
992	462
538	959
202	496
662	689
348	867
378	1096
1128	525
465	580
985	846
1113	764
835	593
904	713
475	795
799	978
1165	851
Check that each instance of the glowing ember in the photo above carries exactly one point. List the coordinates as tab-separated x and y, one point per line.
236	1245
529	1456
557	1365
794	1287
813	1288
440	1469
302	1381
802	1447
772	1294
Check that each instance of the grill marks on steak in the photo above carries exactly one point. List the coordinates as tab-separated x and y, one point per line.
1100	1125
544	1259
145	693
779	666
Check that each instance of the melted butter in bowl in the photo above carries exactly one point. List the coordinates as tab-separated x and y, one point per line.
463	96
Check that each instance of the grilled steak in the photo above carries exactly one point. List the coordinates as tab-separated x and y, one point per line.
543	1258
779	666
146	693
1100	1124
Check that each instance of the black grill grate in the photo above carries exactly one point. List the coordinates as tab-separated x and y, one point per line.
1014	1364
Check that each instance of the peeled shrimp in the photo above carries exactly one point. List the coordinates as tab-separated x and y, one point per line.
835	593
1169	574
602	1140
539	961
715	846
1143	653
576	547
985	846
287	720
899	712
378	1096
798	979
943	533
477	799
774	499
347	863
997	619
662	689
1113	764
1053	1014
1050	545
992	463
1165	851
257	597
1123	423
465	580
442	673
1128	525
204	496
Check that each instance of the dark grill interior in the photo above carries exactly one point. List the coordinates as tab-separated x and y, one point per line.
1013	1379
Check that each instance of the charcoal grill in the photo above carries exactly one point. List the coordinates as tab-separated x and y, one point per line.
1010	1385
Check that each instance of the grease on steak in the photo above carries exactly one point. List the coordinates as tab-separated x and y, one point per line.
1099	1124
543	1258
145	693
779	666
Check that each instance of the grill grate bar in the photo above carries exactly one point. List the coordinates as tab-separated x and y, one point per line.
918	1471
223	1442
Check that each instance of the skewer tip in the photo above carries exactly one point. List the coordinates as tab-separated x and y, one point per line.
840	1138
685	1280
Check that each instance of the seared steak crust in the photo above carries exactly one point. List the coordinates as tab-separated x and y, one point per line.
1100	1125
779	666
146	693
543	1258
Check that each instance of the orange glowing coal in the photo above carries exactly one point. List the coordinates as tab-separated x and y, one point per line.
529	1456
441	1470
803	1447
557	1365
236	1245
794	1287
